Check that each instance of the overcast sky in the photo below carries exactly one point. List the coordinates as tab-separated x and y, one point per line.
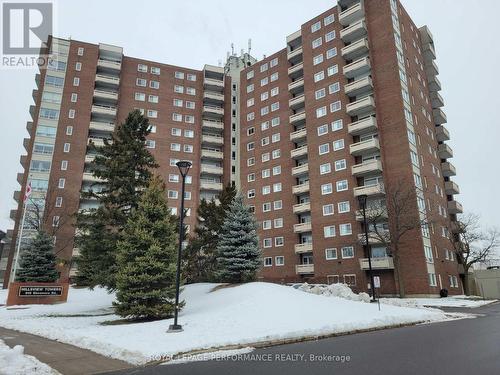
194	32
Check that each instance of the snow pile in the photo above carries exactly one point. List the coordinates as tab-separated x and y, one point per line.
15	362
212	319
3	296
452	301
333	290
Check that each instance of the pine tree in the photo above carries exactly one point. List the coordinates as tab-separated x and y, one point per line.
38	262
200	255
239	256
125	167
146	260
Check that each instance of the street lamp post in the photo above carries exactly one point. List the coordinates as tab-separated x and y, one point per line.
362	203
183	169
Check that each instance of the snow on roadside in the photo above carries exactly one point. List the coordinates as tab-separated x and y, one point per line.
452	301
13	361
210	356
235	315
333	290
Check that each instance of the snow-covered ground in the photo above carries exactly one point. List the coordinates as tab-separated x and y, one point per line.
13	361
236	315
452	301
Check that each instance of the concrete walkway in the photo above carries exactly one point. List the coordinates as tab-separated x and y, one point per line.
67	359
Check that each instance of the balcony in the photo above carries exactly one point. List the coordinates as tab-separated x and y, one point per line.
448	169
211	154
16	195
359	87
295	55
89	158
296	71
444	151
301	208
431	69
302	227
357	67
298	118
20	177
367	168
107	80
212	139
436	99
454	208
210	96
442	134
109	65
378	212
89	177
366	125
106	95
205	185
13	214
439	116
300	189
212	110
385	263
211	169
300	170
354	31
451	188
352	14
34	95
29	126
301	248
23	160
102	126
298	135
429	52
103	110
297	102
304	269
26	144
370	190
355	50
211	124
299	152
98	142
296	86
346	3
213	84
364	147
32	111
360	106
374	238
434	84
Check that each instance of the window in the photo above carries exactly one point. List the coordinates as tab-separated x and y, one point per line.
326	189
263	67
176	117
275	106
315	26
188	133
350	280
152	113
251	102
266	207
342	185
337	125
71	113
335	106
175	146
64	165
179	89
153	98
190	91
278	223
345	229
266	190
179	75
176	132
276	154
188	148
51	97
55	221
50	114
331	254
265	157
178	103
275	137
74	97
328	20
80	51
343	207
139	96
191	77
46	131
338	145
347	252
76	81
250	88
273	62
324	148
333	88
54	81
340	165
328	210
321	93
266	224
276	170
329	231
267	242
320	112
67	147
189	119
277	187
150	143
59	201
154	84
318	59
264	81
173	178
251	193
322	129
332	70
274	76
268	262
250	146
278	205
141	82
317	42
325	168
61	183
319	76
432	279
280	260
43	148
250	74
142	68
332	52
330	36
173	194
155	70
275	91
266	173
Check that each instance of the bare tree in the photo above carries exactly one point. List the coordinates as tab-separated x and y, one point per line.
473	244
391	219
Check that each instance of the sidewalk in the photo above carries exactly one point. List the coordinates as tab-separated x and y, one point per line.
67	359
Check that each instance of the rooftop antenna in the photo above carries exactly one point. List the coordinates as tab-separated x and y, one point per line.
232	49
220	62
249	45
242	52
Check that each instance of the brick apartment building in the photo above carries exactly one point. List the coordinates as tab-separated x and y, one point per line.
350	106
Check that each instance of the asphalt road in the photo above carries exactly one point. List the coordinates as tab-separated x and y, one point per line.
468	346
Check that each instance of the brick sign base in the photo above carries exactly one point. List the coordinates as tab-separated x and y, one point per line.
37	293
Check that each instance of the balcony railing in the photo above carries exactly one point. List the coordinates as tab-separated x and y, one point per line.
439	116
442	134
354	31
298	118
295	55
302	227
301	208
444	151
205	185
296	102
211	154
364	105
296	86
300	170
448	169
212	139
367	168
352	14
370	190
365	125
451	188
298	135
102	126
385	263
298	152
301	248
212	169
301	188
357	67
211	124
296	71
359	87
455	208
109	80
364	147
355	50
304	269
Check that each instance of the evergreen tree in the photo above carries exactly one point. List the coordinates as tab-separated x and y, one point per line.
124	165
239	256
200	255
146	260
38	262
